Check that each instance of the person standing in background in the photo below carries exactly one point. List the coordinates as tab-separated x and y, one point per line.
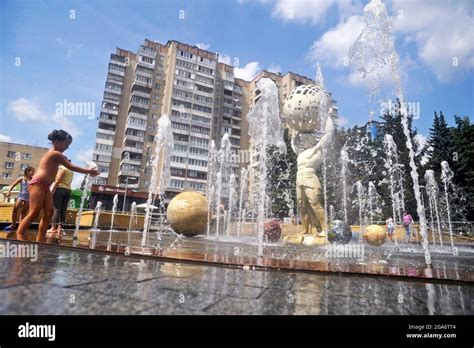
61	190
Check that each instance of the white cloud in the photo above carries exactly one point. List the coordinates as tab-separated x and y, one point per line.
26	110
314	12
203	46
5	138
66	124
84	156
333	46
274	68
443	32
248	72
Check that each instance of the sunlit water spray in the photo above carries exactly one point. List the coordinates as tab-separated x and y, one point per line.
370	53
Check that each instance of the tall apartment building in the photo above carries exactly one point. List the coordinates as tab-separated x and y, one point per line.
14	158
201	96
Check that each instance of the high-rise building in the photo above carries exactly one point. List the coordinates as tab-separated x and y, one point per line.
15	158
202	97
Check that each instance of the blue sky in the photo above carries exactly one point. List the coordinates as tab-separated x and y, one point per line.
66	58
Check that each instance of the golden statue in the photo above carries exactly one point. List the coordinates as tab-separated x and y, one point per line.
308	187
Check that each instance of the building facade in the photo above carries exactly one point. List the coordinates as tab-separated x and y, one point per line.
14	158
202	97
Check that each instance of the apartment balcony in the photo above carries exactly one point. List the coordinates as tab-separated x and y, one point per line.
147	52
143	84
132	173
131	161
113	91
136	126
132	149
145	64
139	105
116	72
137	115
107	121
134	138
109	110
142	94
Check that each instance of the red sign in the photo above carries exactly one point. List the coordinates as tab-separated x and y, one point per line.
112	190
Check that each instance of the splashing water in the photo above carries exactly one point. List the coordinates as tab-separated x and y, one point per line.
447	177
86	186
133	213
164	143
371	52
344	161
432	191
243	193
265	129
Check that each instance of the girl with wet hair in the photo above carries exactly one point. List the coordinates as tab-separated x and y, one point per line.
41	198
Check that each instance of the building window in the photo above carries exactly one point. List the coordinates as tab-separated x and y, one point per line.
9	165
6	175
11	154
24	166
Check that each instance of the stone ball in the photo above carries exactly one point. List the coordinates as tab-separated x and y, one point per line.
272	231
305	107
339	232
187	213
374	235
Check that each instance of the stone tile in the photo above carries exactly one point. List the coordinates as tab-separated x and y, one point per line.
40	299
154	292
237	306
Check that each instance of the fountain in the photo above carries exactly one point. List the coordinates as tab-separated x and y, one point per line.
373	49
164	143
133	213
432	191
446	177
85	187
114	210
265	129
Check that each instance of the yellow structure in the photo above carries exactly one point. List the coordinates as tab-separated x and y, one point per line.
374	235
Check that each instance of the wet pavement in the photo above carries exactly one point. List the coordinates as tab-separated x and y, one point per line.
68	281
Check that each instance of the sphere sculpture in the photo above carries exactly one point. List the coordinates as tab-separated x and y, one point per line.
374	235
305	107
272	231
339	232
187	213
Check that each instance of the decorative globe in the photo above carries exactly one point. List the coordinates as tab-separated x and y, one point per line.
187	213
272	231
339	232
305	107
374	235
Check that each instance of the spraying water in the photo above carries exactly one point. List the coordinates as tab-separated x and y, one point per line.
232	197
164	143
114	210
265	129
432	191
371	52
243	187
133	213
97	211
344	161
391	151
85	186
447	177
211	187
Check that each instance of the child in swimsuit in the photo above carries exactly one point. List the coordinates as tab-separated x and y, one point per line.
22	203
41	198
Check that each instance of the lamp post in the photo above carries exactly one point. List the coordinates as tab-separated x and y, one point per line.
125	195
